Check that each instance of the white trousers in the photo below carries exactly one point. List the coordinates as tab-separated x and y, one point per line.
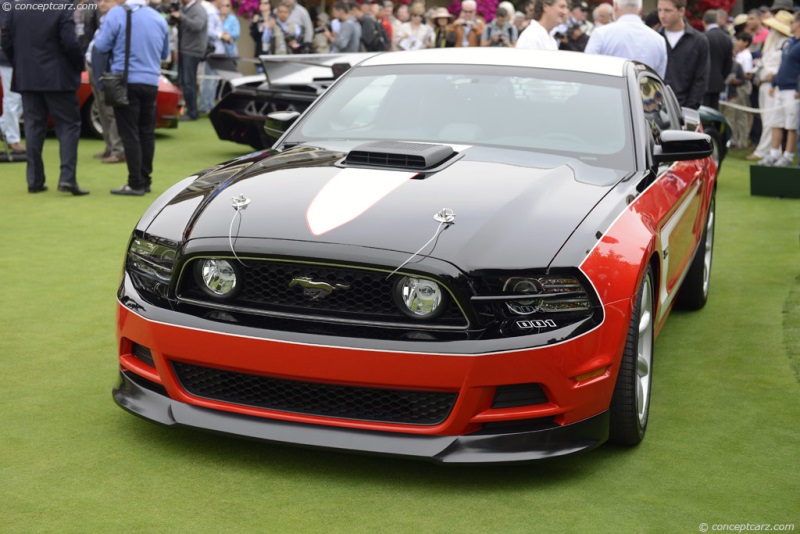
12	107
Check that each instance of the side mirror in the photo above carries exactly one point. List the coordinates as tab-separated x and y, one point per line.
678	145
278	122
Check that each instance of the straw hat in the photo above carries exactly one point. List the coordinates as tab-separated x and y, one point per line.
441	13
781	22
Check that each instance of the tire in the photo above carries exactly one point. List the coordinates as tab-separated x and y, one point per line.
630	403
694	291
718	155
90	117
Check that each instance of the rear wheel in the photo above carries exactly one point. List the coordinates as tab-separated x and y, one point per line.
694	291
90	116
630	404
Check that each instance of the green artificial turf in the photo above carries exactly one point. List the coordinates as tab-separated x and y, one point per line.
723	446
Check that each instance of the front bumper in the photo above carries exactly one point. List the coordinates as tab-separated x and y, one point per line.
576	376
483	448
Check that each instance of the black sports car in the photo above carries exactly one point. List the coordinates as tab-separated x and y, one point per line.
289	83
457	255
292	83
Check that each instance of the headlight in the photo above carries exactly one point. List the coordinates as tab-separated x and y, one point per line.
150	265
562	304
551	294
217	277
418	297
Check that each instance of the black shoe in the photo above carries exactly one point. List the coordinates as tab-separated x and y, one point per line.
128	190
39	189
74	189
147	189
185	118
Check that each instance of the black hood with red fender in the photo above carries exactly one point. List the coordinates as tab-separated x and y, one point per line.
513	209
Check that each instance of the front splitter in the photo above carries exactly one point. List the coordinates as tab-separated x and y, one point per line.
483	448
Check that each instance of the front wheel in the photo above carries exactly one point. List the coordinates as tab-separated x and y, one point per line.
630	403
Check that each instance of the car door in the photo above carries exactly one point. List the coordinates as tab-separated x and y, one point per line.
679	189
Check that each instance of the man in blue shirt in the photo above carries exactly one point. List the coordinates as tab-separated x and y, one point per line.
136	121
628	37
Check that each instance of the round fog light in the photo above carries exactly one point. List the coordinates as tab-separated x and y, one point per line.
419	298
218	277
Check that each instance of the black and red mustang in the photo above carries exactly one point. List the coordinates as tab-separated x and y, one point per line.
462	255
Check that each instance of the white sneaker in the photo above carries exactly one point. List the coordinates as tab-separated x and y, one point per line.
783	161
769	161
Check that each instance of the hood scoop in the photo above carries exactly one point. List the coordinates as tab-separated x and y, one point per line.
399	155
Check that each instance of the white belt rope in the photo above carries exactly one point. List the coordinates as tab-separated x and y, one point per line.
751	110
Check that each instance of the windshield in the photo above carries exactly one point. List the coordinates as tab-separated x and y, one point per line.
583	115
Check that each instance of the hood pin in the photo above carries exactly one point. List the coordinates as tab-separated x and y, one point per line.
445	217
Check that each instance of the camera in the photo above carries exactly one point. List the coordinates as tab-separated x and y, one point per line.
165	8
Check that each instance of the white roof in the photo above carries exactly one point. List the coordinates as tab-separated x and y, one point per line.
509	57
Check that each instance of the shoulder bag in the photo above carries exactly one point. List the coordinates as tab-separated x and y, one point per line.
115	84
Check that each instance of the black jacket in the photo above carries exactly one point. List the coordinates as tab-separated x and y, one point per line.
43	48
688	66
4	61
720	48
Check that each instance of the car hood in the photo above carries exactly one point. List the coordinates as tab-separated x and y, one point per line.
512	209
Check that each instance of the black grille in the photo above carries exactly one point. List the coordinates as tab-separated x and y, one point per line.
362	295
344	402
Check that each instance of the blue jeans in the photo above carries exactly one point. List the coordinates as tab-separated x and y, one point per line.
187	79
208	89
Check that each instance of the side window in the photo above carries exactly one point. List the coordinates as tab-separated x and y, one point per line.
656	110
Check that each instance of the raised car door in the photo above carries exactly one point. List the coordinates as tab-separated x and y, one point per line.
678	186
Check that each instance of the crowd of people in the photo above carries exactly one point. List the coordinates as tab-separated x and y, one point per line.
735	61
751	61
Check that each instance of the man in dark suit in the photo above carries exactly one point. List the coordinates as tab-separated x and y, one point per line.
720	48
47	60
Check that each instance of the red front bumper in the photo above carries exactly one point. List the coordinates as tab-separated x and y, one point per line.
577	377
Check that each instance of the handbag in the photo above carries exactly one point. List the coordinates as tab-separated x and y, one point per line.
115	84
210	48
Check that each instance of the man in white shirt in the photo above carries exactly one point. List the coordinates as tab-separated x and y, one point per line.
547	14
630	38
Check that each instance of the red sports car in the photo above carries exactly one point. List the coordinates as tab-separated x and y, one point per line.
168	106
462	255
